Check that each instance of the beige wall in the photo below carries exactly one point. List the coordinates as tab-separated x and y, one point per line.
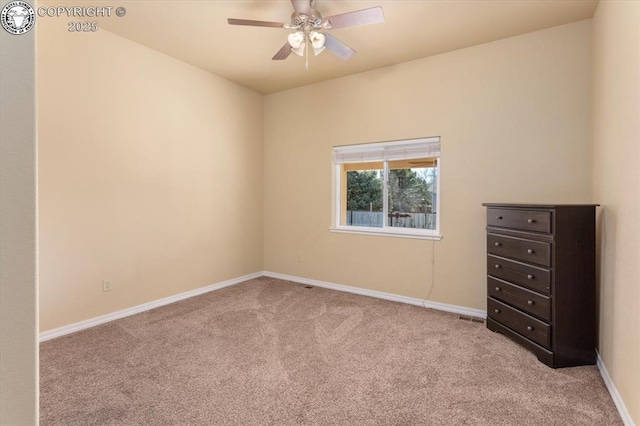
151	171
616	185
18	291
513	116
150	175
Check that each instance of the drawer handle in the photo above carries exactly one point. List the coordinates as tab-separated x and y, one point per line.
530	251
498	266
529	328
498	289
497	244
529	277
497	311
499	217
530	302
531	221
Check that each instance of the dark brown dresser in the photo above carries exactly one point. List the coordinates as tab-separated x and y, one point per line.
541	279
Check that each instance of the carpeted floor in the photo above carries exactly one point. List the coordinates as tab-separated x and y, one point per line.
270	352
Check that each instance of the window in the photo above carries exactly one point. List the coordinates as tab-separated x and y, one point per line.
388	188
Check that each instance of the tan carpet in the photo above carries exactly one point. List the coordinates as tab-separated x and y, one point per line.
270	352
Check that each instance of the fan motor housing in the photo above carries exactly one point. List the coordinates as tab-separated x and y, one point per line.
299	19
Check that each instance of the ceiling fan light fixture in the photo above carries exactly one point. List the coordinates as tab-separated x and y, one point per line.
296	39
297	42
317	39
299	50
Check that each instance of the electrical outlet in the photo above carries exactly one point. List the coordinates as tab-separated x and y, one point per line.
106	285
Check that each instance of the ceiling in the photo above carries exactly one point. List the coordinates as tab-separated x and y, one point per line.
196	32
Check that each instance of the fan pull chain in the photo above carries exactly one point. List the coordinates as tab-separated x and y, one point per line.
306	50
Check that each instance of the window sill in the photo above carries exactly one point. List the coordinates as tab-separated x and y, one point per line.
386	233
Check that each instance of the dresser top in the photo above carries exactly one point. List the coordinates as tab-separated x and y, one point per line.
537	206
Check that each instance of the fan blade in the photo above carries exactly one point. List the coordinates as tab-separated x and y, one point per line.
251	23
372	15
283	53
302	6
338	48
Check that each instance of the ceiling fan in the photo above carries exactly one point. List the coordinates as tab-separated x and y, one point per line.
309	28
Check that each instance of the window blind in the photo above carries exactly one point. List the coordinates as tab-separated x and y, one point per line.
387	151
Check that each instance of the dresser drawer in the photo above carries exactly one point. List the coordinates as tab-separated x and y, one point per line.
520	322
519	248
526	220
531	277
528	301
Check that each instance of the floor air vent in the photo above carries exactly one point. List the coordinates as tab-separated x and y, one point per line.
470	319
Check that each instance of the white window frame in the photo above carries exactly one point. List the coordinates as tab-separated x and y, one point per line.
385	152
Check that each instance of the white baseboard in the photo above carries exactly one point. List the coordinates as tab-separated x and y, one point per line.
615	396
381	295
82	325
617	400
92	322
